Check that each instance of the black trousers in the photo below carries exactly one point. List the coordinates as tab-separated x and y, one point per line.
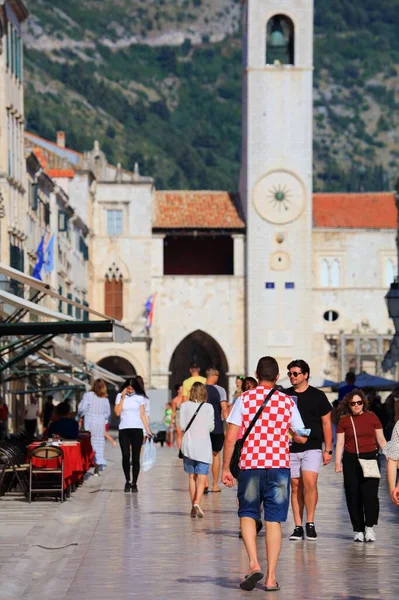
131	438
30	426
361	493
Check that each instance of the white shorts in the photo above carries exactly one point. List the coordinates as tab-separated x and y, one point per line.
310	460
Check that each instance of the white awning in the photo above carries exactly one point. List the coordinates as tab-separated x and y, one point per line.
107	375
33	308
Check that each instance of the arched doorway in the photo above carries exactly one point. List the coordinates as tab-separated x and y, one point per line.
119	366
204	350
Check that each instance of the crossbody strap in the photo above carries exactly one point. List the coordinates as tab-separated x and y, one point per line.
354	431
193	417
256	417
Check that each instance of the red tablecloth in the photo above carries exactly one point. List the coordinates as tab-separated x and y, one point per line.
78	458
86	450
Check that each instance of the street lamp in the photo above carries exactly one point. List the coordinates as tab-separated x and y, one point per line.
392	300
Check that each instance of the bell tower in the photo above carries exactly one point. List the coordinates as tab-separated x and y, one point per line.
276	177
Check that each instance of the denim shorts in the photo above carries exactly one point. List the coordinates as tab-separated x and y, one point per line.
195	467
270	487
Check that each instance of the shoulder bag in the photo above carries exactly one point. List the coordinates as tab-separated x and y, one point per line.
181	455
235	459
369	465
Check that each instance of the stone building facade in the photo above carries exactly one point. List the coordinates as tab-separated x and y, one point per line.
274	269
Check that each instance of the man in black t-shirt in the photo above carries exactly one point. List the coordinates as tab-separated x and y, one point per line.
221	412
306	459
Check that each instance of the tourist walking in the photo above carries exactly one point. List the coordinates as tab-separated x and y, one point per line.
95	410
130	407
358	435
176	405
31	415
3	419
47	412
349	385
264	476
392	453
195	377
197	419
221	410
238	390
306	460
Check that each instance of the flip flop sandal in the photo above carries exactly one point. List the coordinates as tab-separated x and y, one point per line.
272	588
215	491
251	580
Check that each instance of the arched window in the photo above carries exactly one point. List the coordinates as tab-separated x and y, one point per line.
335	273
324	273
389	272
113	304
280	41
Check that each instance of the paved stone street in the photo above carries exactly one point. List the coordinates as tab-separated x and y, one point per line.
106	545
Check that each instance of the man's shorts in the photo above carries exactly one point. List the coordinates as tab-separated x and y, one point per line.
270	487
195	467
217	440
310	460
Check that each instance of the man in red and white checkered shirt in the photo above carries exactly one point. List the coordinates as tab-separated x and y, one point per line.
264	467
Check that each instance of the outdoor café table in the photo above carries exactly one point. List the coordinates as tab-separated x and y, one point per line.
74	464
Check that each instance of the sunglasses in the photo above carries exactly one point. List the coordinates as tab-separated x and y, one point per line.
294	374
356	403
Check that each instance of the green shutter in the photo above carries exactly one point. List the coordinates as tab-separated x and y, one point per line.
78	311
70	307
60	301
35	196
86	317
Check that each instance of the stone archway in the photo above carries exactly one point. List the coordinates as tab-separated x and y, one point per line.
201	348
119	366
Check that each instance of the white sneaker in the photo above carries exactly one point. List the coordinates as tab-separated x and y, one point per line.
369	535
359	536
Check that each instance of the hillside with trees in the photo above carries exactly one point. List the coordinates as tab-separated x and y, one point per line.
159	82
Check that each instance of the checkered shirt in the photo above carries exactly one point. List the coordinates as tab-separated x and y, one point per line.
267	445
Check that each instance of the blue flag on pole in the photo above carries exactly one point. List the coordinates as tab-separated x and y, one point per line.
40	260
49	263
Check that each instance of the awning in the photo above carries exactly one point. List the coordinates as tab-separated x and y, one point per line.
33	308
34	359
120	333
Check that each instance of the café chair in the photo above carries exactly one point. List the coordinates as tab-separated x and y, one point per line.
13	470
46	454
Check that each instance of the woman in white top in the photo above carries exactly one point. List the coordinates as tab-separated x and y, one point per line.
31	415
196	443
391	451
130	407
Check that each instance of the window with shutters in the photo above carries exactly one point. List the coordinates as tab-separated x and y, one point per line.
114	293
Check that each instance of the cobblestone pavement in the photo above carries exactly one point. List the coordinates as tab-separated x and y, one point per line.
108	545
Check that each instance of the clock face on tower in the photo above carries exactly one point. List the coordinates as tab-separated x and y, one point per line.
279	197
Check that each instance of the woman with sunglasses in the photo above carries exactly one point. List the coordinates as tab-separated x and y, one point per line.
361	492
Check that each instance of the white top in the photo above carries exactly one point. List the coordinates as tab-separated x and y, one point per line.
391	450
130	415
196	443
222	393
31	412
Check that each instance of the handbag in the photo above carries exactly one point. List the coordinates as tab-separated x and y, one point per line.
181	455
369	466
235	459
